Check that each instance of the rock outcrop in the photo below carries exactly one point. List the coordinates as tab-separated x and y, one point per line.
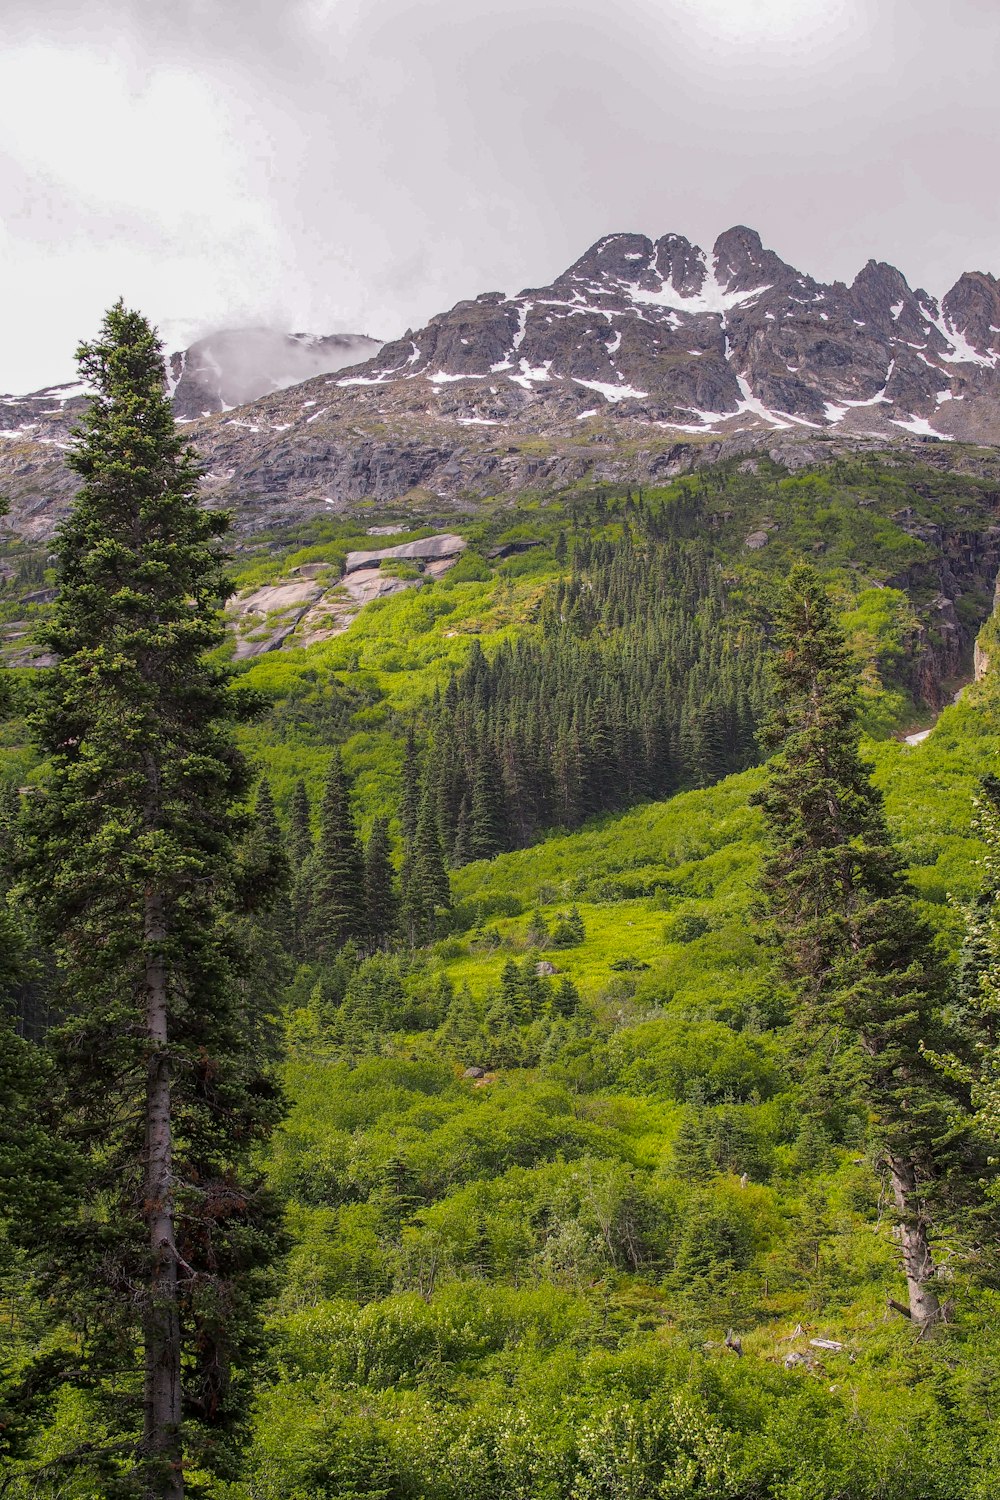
314	603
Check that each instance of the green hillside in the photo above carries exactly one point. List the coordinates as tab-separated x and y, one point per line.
521	1283
880	533
563	1222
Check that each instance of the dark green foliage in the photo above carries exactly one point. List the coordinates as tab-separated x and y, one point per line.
487	812
337	891
131	869
645	677
693	1159
715	1242
868	982
300	856
462	1022
300	837
381	903
566	999
538	933
862	959
979	982
425	888
568	930
265	871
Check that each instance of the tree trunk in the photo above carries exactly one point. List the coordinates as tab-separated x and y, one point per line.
161	1323
918	1262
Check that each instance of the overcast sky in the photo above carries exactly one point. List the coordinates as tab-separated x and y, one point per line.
357	165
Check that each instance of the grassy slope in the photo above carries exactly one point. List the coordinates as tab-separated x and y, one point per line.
500	1300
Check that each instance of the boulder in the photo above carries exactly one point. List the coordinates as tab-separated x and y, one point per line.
430	549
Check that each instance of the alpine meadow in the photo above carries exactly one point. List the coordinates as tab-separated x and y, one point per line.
500	983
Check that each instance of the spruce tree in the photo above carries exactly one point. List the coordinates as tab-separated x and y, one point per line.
300	855
461	852
265	930
566	1000
300	838
426	888
463	1022
487	819
978	1007
132	872
692	1157
381	905
412	916
265	867
867	980
338	875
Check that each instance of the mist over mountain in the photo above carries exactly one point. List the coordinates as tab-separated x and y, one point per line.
237	365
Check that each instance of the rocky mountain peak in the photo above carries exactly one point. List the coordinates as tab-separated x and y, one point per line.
742	264
618	257
972	308
680	264
660	334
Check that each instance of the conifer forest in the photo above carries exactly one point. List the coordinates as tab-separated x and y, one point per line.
537	1040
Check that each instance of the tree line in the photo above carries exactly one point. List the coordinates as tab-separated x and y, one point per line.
643	678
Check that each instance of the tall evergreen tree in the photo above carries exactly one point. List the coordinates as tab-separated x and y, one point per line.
265	858
979	978
426	890
338	878
300	855
867	981
300	838
410	803
132	872
381	904
487	833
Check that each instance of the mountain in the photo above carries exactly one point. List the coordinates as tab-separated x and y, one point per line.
711	343
641	361
225	369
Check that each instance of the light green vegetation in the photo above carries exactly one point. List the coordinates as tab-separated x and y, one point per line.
520	1285
369	682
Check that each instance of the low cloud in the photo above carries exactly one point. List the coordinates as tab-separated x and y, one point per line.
338	166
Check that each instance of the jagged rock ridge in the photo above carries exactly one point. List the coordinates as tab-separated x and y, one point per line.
708	343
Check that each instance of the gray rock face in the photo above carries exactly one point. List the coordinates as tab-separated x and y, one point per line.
430	549
313	603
